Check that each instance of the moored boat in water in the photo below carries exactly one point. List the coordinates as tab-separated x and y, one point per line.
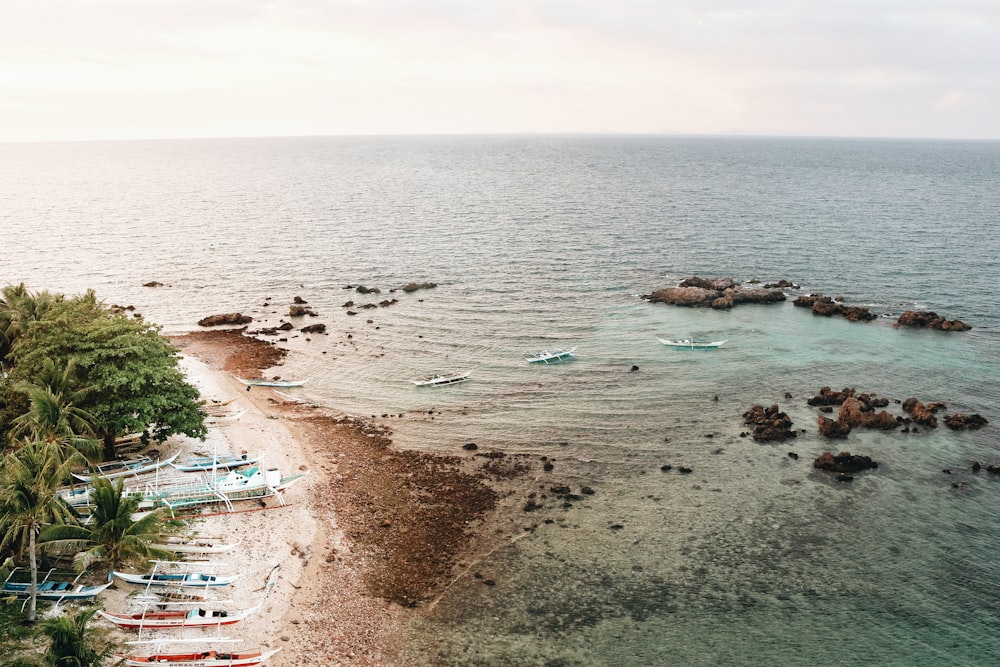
552	356
272	383
440	379
692	344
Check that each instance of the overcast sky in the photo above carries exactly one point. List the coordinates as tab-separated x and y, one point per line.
110	69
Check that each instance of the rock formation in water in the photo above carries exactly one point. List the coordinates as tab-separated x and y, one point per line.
828	307
844	462
225	318
769	424
929	320
718	293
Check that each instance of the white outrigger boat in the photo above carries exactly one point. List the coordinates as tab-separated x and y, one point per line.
272	383
196	617
194	545
250	482
439	380
177	579
693	344
130	468
198	658
219	462
553	356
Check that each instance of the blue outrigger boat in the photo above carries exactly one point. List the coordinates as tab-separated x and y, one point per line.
51	588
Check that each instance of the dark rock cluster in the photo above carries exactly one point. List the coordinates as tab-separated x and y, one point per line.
844	462
769	424
828	307
929	320
718	293
224	318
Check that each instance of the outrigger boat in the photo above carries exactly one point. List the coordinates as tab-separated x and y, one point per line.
553	356
51	589
198	617
693	344
194	545
218	420
200	658
272	383
129	468
177	579
439	380
222	461
240	484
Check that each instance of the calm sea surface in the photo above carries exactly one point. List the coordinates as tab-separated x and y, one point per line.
534	242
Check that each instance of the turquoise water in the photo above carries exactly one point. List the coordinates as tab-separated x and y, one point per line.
550	241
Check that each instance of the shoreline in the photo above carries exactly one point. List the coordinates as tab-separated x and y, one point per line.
371	535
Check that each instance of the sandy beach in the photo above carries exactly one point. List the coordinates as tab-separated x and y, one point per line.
370	534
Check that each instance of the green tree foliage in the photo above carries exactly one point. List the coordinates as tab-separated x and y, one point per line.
113	536
18	309
72	643
134	383
53	415
29	480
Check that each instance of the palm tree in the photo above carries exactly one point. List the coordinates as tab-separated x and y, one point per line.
114	536
29	480
52	415
72	643
18	309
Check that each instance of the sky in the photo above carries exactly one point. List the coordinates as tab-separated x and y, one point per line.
133	69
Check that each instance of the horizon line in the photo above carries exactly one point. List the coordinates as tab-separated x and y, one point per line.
729	134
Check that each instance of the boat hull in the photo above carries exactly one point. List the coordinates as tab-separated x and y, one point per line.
176	580
170	620
693	344
55	593
550	356
441	380
204	659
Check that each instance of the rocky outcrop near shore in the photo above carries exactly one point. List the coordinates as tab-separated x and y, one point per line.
769	424
718	293
224	319
856	412
929	320
925	415
828	307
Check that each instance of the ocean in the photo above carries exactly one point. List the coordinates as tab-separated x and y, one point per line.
534	242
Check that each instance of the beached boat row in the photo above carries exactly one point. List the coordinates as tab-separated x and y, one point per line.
174	599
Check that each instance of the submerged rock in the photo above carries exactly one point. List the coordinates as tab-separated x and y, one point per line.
844	462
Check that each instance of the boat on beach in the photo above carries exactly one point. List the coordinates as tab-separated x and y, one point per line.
220	462
553	356
194	545
51	587
127	468
692	344
272	383
177	579
244	483
440	379
197	617
199	659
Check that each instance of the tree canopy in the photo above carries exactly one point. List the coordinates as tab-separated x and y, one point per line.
130	373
